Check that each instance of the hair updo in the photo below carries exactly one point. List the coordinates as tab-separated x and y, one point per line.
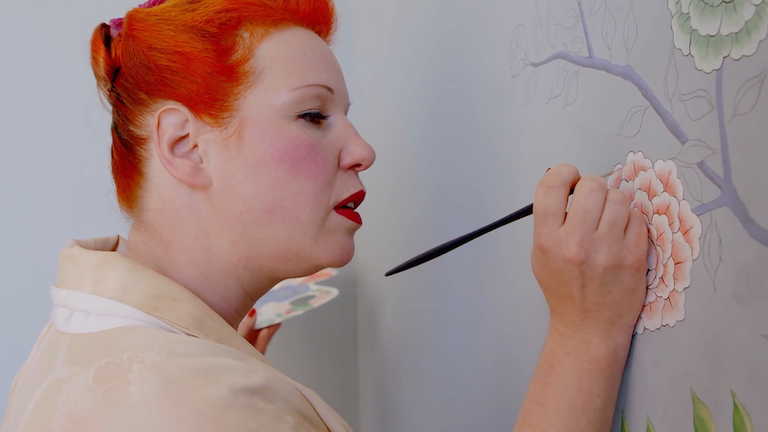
194	52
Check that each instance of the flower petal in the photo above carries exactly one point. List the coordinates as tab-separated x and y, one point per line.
614	180
641	201
666	171
709	51
683	258
636	163
746	41
674	309
705	17
667	281
648	182
665	204
682	30
652	313
690	228
663	235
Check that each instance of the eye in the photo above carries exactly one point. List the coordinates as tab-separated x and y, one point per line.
314	117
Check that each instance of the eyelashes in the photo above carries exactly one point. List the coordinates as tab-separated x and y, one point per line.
314	117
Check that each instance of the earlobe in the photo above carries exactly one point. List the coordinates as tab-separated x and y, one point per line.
176	145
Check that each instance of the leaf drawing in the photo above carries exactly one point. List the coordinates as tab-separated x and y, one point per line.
694	184
550	18
558	86
702	418
671	77
649	427
630	29
697	104
595	7
713	250
539	35
748	95
575	45
530	85
609	29
569	20
694	151
624	425
742	422
571	89
518	51
633	121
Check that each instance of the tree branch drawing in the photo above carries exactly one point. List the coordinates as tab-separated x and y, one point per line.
689	41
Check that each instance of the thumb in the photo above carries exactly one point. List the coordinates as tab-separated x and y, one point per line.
246	330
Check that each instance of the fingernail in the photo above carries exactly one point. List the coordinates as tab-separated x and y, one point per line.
548	169
251	313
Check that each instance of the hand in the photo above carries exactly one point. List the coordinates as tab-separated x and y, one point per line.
258	338
590	262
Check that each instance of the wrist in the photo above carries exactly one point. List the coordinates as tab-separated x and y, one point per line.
600	343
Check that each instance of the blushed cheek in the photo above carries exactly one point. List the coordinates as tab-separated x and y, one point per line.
303	174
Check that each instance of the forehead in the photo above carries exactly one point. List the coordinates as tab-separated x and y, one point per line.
293	57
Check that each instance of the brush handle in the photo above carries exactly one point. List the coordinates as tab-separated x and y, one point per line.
466	238
453	244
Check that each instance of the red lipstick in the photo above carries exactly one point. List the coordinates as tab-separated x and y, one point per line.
347	207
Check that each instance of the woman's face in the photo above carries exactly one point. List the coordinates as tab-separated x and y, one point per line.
285	185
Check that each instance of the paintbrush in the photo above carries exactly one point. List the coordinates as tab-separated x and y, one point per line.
466	238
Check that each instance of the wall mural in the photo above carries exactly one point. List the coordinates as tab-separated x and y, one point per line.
684	229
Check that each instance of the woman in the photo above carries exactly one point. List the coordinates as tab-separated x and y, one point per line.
235	159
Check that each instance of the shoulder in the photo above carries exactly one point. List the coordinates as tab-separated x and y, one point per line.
151	380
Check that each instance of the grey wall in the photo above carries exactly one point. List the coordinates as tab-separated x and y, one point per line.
451	345
55	184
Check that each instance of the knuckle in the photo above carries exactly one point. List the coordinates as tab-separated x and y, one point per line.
592	183
614	196
575	253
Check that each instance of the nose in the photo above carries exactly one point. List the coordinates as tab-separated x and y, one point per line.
357	155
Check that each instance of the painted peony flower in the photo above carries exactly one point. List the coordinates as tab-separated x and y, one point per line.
674	233
711	30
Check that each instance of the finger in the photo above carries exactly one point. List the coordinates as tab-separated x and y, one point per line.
551	198
615	217
246	330
587	203
637	231
264	337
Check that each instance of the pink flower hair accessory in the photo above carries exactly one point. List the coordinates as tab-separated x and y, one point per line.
116	24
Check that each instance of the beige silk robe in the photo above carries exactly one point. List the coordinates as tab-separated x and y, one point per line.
127	349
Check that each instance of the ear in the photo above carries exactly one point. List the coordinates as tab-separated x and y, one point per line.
176	132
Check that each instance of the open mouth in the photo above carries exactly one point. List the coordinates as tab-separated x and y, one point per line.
347	207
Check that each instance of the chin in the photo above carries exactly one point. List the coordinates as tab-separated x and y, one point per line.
340	255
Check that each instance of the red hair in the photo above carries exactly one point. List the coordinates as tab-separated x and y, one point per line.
194	52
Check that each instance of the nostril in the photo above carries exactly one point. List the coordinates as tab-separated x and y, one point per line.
356	167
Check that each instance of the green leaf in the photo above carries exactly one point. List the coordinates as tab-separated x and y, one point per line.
742	422
702	418
624	425
650	427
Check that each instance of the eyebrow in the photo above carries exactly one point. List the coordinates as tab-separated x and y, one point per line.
330	90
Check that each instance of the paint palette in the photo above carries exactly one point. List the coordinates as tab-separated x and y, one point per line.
293	297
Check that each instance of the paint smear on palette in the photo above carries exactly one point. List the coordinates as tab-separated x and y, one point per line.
293	297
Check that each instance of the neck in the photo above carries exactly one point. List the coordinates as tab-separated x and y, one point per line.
192	262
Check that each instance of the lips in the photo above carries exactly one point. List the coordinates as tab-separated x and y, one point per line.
348	206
